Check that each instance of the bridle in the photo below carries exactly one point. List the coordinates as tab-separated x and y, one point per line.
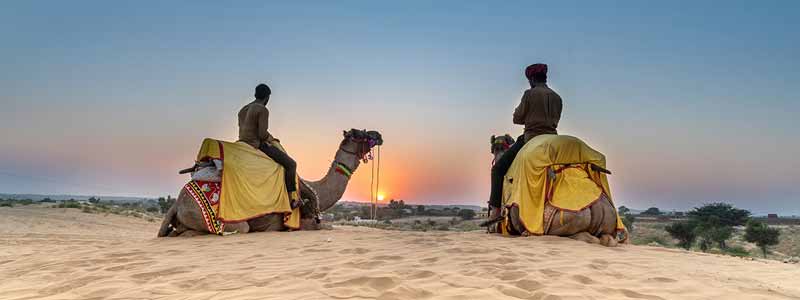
503	142
363	152
363	149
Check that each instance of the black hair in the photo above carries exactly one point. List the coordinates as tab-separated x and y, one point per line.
539	77
262	91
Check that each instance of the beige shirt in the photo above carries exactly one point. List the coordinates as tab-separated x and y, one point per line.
254	125
539	111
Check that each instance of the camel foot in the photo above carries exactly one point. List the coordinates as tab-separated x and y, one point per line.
190	233
608	240
586	237
241	227
625	236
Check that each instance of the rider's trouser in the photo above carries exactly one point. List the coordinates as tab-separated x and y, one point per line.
283	159
499	170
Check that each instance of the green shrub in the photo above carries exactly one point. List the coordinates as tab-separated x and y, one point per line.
684	232
628	220
737	251
69	204
762	235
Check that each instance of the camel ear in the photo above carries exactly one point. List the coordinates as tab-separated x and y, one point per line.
491	140
344	133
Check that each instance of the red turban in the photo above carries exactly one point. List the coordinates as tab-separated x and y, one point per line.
535	69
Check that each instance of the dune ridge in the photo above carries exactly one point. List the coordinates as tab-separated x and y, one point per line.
49	253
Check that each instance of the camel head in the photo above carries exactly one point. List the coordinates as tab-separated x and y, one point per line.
360	142
500	144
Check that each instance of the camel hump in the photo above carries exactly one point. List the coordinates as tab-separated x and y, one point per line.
550	149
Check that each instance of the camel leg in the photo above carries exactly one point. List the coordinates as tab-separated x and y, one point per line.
271	222
604	222
586	237
516	222
191	233
169	222
608	240
566	223
241	227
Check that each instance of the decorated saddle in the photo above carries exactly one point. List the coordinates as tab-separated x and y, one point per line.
251	185
557	169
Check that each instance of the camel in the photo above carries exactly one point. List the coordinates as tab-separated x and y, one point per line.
594	224
184	217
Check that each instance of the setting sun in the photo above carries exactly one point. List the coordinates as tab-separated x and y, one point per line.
381	197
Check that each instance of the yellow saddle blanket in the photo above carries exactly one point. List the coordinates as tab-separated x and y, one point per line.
559	169
252	183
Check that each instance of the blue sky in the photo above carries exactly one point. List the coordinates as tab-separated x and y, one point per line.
691	102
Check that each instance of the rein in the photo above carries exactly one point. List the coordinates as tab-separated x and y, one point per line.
364	152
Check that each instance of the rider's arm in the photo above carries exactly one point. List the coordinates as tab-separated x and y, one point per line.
522	109
263	126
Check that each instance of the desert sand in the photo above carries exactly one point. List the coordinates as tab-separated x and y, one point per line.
48	253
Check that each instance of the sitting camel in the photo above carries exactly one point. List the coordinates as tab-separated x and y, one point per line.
185	218
594	224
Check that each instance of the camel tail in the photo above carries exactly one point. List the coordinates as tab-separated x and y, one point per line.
166	225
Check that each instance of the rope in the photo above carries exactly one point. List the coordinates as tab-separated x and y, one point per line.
377	179
371	192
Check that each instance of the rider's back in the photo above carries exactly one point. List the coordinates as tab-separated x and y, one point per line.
539	111
254	124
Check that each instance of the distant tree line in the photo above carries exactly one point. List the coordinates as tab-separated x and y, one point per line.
397	209
711	225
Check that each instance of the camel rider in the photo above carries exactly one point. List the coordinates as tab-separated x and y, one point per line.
539	111
254	130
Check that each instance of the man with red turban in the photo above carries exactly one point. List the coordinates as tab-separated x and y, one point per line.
539	111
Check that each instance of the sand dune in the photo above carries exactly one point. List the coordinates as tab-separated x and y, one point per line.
67	254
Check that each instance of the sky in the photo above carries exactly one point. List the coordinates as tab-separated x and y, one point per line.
691	101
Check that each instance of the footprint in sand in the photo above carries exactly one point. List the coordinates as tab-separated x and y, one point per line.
317	275
637	295
551	273
582	279
403	292
528	285
376	283
388	257
421	274
354	251
599	264
429	260
513	292
315	250
661	279
363	264
512	275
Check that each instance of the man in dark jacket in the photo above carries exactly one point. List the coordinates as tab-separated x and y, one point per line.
539	111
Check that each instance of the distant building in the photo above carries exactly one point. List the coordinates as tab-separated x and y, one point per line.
484	214
772	216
